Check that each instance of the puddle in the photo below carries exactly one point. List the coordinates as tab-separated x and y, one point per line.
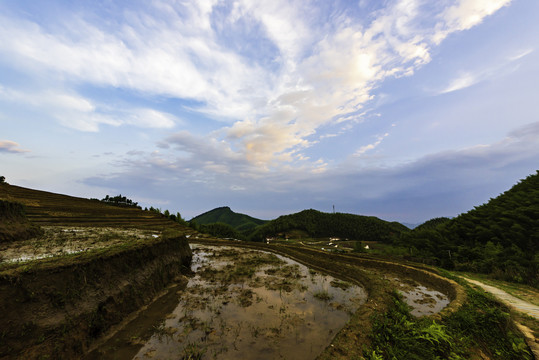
246	304
59	241
422	300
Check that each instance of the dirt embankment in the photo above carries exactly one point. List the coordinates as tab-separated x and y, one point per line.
57	308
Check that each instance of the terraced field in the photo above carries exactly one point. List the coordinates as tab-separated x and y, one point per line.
80	296
45	208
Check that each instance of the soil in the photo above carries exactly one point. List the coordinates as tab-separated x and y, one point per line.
58	306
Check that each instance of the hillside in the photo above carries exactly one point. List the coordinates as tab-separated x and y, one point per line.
72	268
314	223
13	223
224	215
500	237
46	208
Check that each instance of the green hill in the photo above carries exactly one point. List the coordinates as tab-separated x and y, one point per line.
432	223
313	223
224	215
500	237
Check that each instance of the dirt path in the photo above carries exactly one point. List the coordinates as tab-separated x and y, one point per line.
520	305
517	304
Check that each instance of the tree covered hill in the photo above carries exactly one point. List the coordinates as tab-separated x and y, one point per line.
318	224
224	215
432	223
500	237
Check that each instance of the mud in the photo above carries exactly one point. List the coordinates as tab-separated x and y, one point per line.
251	305
58	307
423	301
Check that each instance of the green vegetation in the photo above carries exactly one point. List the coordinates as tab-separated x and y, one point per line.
221	230
119	200
317	224
432	223
500	238
241	224
481	324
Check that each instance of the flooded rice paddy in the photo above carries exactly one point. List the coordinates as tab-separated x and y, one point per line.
423	301
246	304
60	241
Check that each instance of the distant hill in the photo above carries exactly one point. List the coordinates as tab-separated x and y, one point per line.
432	223
313	223
224	215
500	237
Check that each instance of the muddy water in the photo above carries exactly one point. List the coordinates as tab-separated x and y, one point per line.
423	301
252	305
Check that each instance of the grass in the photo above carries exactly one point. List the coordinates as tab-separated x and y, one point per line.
521	291
343	285
481	324
322	295
193	351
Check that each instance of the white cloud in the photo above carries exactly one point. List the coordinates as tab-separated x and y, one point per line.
362	150
466	14
324	71
470	78
7	146
460	83
79	113
519	55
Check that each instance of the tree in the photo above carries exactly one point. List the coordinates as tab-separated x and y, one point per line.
2	179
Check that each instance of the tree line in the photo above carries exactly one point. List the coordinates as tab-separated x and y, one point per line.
120	200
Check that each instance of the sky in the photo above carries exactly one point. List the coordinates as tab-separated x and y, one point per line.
401	109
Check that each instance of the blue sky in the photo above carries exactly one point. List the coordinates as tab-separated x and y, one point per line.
405	110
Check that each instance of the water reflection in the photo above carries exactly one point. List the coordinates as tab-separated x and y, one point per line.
253	305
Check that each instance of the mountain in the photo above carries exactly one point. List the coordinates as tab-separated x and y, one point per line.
224	215
500	237
313	223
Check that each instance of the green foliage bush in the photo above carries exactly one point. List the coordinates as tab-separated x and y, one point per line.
481	323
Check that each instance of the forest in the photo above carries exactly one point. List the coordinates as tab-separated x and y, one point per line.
318	224
499	238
